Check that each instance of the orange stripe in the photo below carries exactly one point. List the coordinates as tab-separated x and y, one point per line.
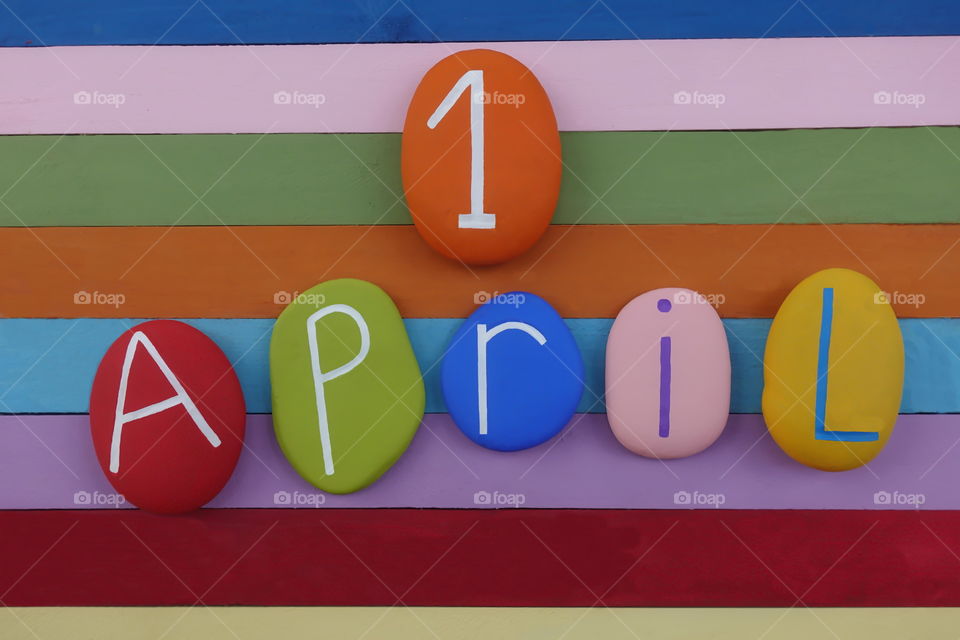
584	271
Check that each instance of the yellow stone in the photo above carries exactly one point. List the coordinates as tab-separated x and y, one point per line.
833	371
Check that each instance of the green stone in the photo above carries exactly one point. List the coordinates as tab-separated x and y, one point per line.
372	398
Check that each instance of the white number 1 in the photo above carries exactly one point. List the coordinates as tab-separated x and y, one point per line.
476	219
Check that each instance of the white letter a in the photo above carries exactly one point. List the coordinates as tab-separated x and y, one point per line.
180	398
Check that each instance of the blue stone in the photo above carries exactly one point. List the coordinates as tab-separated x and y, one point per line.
534	373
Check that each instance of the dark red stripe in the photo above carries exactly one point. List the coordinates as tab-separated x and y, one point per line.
482	558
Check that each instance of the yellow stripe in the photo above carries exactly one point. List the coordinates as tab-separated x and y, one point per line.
374	623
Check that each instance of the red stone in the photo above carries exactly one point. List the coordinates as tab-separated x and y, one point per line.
181	454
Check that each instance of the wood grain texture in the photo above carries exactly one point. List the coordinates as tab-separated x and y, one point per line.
619	85
111	22
583	271
510	557
52	461
754	177
462	623
40	354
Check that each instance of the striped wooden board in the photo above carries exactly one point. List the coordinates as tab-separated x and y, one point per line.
584	468
503	557
456	623
63	354
167	22
730	148
182	272
808	176
622	85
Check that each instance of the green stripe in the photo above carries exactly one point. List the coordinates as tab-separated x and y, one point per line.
906	175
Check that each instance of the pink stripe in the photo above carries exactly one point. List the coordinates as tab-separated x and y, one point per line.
595	86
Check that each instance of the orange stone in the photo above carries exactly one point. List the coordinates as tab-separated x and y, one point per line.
481	157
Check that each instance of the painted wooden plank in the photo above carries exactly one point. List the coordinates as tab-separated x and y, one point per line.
625	85
891	175
241	272
461	623
37	355
52	460
461	557
45	22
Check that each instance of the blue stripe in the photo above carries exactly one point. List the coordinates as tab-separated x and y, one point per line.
47	366
113	22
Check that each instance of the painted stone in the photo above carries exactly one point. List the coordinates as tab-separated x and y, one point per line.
347	392
512	376
667	374
833	371
167	417
481	157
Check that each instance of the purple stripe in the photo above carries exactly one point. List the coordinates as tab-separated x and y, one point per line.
665	387
46	460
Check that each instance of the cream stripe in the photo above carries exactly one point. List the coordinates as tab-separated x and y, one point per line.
373	623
